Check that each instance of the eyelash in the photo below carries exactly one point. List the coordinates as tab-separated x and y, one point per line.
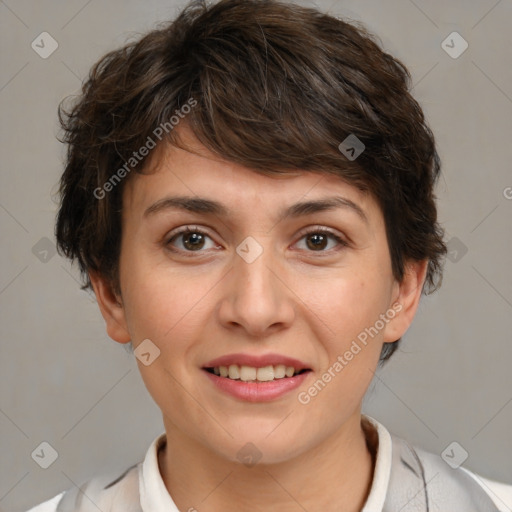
310	231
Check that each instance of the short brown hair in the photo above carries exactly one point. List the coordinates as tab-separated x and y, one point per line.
276	87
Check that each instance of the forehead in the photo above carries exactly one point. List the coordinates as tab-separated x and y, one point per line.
229	187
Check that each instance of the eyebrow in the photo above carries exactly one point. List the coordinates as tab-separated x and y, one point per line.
205	206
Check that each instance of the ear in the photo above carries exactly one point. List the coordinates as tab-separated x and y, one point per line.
111	308
407	295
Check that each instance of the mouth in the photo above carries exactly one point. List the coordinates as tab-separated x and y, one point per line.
256	378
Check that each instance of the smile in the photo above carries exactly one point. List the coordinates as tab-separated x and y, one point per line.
256	378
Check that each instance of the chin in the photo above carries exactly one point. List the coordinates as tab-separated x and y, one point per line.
253	447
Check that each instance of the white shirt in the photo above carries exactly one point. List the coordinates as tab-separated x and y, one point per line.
154	496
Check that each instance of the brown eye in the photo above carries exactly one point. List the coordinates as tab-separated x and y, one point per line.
192	240
317	240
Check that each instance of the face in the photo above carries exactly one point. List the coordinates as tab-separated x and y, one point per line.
248	282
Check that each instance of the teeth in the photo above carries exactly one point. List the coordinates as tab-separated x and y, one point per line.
250	373
233	372
279	371
247	373
265	374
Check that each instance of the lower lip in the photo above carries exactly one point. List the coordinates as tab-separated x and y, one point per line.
257	391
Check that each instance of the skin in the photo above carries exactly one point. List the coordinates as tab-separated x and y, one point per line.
294	299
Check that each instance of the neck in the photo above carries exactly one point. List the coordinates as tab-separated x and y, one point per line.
337	471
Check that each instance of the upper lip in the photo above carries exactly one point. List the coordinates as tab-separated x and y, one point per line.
256	361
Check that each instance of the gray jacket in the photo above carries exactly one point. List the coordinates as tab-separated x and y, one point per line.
419	482
422	482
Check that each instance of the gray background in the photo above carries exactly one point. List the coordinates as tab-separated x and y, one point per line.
63	381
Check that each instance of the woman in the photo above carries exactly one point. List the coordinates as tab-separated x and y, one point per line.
249	191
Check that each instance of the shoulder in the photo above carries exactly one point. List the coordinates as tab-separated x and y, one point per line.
48	506
501	493
423	479
108	492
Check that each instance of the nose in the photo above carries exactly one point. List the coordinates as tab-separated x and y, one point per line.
256	298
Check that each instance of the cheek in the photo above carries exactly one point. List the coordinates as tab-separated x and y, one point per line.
351	307
351	347
168	311
348	305
164	305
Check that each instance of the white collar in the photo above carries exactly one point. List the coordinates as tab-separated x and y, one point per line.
382	472
154	495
